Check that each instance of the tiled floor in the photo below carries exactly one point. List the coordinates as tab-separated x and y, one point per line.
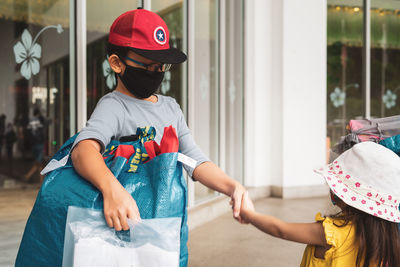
15	206
221	242
224	242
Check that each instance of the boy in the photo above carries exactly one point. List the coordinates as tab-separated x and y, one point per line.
139	54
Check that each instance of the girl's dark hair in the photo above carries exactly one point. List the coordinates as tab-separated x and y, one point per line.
121	51
377	240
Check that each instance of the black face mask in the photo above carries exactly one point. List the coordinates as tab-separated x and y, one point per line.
140	82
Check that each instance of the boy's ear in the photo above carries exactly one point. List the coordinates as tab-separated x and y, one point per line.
115	63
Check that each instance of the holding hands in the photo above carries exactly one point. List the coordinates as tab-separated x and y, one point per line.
246	208
241	203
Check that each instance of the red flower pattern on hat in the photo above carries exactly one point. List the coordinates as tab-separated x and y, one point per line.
364	196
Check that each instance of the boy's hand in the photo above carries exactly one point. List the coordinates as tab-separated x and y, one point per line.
119	205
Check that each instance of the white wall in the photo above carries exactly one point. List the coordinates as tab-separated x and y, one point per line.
285	92
304	90
258	99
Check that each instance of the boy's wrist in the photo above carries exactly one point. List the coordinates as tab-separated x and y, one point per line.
107	185
234	187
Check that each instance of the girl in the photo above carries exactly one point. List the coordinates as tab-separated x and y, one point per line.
365	185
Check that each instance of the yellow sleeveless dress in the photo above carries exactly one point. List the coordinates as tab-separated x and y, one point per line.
342	253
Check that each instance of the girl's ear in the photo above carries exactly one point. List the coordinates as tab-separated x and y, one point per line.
116	64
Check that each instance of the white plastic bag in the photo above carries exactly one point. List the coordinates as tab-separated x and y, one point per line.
90	242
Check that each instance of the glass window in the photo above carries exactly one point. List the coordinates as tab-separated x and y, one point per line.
344	59
206	91
174	80
385	58
100	15
233	142
345	42
34	75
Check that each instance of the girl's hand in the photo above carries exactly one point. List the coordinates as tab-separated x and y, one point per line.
237	199
119	206
247	206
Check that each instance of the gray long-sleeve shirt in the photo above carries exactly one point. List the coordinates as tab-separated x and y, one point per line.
118	115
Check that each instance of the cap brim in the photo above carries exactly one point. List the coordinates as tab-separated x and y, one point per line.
168	56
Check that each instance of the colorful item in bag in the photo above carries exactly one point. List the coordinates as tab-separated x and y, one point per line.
169	143
121	156
140	156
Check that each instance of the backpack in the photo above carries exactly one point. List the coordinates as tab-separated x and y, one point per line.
374	130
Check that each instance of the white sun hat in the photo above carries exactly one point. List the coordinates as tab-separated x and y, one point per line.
367	177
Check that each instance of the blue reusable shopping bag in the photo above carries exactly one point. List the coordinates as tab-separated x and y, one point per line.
157	185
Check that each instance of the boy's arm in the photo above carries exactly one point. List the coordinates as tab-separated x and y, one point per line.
118	203
306	233
213	177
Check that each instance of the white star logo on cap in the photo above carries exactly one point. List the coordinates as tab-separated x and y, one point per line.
159	35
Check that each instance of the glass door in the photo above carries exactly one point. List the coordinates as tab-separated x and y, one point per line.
34	76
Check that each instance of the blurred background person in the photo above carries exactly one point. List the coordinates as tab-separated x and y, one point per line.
2	129
36	135
10	137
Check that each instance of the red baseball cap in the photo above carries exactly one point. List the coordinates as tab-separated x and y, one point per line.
146	34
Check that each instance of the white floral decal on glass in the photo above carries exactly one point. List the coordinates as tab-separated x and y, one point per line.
28	52
166	83
109	74
389	99
338	97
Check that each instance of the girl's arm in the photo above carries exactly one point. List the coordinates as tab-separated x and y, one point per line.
307	233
